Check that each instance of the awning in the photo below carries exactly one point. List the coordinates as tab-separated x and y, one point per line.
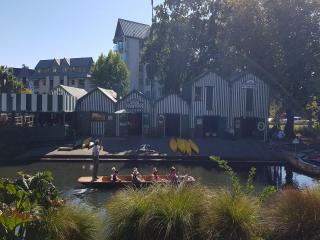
122	111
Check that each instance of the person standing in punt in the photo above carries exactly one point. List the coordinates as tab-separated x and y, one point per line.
95	156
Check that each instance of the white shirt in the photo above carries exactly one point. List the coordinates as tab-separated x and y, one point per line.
95	150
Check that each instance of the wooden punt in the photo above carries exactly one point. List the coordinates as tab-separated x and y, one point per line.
105	181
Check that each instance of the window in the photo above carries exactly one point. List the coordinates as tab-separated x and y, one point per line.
54	70
51	84
36	83
249	99
73	82
61	81
198	93
81	83
44	82
209	98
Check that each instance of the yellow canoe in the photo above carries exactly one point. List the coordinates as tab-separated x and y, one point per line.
188	147
181	145
173	145
194	146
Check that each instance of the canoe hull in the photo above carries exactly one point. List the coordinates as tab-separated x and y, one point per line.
126	181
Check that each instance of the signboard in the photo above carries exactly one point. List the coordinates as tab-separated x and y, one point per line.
250	83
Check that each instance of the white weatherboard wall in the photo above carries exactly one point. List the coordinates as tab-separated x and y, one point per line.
221	97
10	103
171	104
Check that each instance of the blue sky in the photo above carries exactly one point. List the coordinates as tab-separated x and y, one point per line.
44	29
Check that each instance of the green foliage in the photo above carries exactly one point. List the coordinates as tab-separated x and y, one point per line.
236	188
232	217
277	40
160	212
111	72
22	202
8	82
71	222
294	214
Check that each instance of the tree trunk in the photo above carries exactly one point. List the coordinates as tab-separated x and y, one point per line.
289	131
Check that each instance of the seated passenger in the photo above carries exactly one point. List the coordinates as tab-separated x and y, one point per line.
114	175
136	177
173	177
155	175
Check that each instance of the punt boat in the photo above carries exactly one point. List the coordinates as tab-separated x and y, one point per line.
106	182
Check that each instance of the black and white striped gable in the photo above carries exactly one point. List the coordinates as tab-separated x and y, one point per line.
96	101
135	101
221	95
172	104
261	90
36	103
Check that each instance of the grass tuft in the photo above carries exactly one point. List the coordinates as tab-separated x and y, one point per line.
294	214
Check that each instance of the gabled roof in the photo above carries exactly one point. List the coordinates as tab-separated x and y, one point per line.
205	73
73	62
131	29
24	71
133	92
109	93
76	92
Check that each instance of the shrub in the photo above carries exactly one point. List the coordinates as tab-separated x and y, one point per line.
294	214
232	217
72	223
159	212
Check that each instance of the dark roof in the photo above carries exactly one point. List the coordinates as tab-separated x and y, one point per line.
73	62
131	29
22	72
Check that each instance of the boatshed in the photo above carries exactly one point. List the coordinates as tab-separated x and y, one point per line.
208	96
134	114
171	116
95	113
250	106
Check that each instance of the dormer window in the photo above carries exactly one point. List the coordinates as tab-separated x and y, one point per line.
54	70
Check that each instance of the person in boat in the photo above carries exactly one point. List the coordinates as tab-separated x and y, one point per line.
114	175
155	174
136	177
95	156
173	177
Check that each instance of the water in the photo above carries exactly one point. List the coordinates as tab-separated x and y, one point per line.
66	175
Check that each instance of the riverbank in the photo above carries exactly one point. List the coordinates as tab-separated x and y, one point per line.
126	149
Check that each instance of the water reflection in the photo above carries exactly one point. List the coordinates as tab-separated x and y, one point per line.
67	173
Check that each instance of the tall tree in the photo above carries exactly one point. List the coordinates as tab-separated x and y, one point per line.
111	72
8	82
279	40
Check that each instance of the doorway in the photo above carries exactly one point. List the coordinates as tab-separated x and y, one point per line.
210	125
134	124
249	127
172	125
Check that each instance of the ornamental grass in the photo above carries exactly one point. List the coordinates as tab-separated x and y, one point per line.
161	212
294	214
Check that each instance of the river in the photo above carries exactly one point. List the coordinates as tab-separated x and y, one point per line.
66	175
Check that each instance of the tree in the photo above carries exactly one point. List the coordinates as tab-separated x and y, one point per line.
276	39
8	82
111	72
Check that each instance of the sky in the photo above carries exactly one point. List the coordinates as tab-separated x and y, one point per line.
32	30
